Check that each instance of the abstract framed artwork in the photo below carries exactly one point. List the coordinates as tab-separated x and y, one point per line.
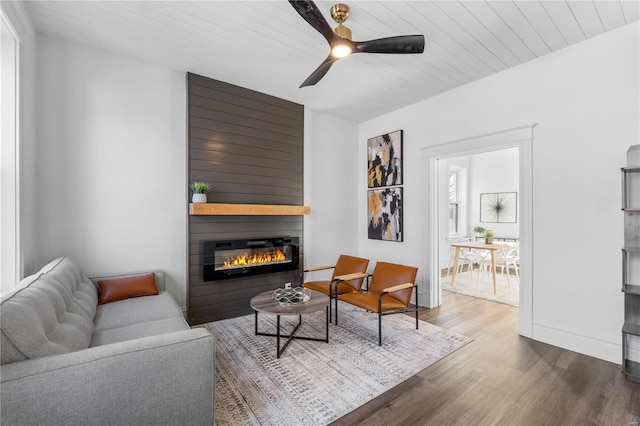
384	158
499	207
384	207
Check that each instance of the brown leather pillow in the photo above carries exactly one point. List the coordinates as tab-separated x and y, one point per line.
123	288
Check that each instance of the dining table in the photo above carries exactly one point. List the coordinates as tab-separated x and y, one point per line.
477	245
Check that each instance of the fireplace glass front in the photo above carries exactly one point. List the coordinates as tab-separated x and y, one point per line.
239	258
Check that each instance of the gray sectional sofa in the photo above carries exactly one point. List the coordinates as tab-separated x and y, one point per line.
68	361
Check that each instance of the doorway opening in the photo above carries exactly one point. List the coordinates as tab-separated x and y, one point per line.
478	196
521	138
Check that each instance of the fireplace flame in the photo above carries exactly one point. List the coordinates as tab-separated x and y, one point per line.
254	259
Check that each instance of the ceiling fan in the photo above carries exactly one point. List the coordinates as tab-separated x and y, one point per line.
340	39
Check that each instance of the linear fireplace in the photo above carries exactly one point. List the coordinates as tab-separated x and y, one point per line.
240	258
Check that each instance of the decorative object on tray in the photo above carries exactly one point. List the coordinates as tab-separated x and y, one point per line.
499	207
291	295
384	159
384	207
200	190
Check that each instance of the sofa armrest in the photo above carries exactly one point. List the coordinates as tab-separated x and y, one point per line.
163	379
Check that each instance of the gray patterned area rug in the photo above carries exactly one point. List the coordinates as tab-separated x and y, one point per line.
315	383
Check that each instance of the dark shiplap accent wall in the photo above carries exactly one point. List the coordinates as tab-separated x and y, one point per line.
249	146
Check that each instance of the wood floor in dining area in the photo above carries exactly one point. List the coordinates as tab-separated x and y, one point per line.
502	378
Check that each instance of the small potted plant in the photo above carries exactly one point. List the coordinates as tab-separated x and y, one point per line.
488	237
200	190
479	230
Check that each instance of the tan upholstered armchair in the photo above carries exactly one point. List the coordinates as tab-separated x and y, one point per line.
389	292
344	267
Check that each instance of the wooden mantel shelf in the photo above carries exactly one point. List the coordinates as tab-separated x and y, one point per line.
247	209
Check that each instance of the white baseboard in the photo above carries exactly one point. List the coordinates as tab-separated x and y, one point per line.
597	347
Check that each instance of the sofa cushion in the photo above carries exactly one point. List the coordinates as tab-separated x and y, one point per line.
135	310
136	331
125	288
49	313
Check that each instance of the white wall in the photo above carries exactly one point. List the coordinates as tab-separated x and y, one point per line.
111	163
585	99
19	18
9	154
330	158
493	171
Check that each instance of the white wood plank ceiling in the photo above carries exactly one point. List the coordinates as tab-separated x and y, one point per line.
266	46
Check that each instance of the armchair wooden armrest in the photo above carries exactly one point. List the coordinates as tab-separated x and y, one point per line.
397	287
318	268
349	277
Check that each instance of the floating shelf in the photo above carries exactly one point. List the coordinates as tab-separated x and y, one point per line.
248	209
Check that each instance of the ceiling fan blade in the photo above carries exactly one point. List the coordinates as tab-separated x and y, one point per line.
310	12
317	75
398	44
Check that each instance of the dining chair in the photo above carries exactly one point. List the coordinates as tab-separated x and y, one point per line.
389	292
346	266
507	257
452	254
473	257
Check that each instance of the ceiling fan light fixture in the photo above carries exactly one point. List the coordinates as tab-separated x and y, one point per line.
340	50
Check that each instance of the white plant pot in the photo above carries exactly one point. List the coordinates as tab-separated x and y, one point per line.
199	198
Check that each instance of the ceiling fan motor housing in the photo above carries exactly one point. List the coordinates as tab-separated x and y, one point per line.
339	12
343	32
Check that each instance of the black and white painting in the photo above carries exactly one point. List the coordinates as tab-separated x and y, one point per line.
499	207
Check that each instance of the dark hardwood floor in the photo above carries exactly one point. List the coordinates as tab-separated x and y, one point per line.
503	379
